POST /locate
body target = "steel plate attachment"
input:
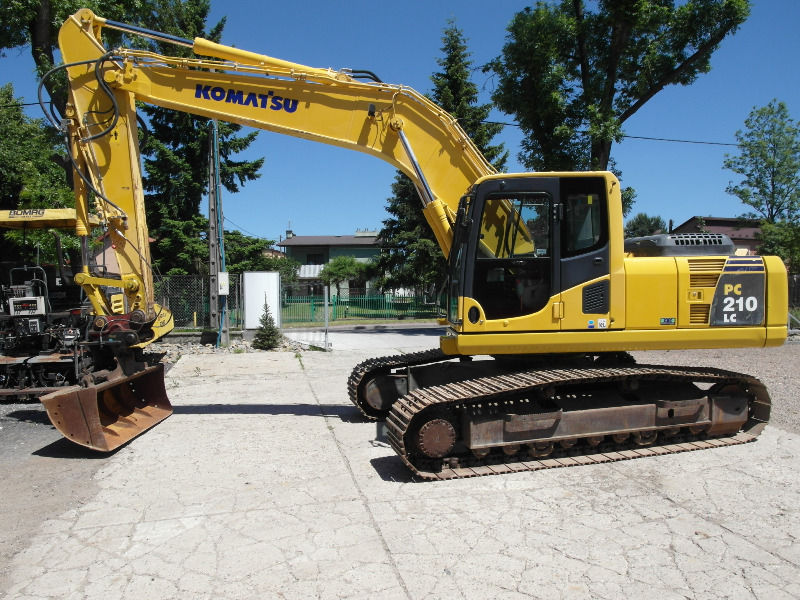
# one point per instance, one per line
(107, 415)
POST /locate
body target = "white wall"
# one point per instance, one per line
(256, 287)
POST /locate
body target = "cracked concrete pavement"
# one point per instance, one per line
(266, 484)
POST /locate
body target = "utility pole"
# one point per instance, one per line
(218, 284)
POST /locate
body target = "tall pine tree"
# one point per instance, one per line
(410, 256)
(176, 157)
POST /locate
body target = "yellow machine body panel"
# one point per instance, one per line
(670, 303)
(619, 301)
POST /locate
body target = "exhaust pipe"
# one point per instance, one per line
(106, 415)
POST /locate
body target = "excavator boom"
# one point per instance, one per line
(229, 84)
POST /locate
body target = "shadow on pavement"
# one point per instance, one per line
(63, 448)
(348, 414)
(29, 416)
(410, 331)
(391, 468)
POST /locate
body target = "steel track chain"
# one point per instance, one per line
(364, 371)
(407, 408)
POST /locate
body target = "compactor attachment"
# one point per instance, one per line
(106, 415)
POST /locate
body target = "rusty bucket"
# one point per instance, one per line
(106, 415)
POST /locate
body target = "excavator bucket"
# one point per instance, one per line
(106, 415)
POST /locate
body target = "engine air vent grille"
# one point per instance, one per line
(698, 314)
(595, 298)
(705, 265)
(707, 280)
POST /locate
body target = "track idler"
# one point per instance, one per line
(103, 416)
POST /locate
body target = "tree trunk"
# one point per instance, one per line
(42, 51)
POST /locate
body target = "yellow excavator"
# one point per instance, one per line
(544, 296)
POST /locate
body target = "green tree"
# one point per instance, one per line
(176, 154)
(267, 336)
(410, 255)
(643, 224)
(247, 253)
(768, 162)
(35, 24)
(342, 268)
(572, 77)
(30, 177)
(782, 239)
(185, 242)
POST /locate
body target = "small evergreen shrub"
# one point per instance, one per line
(268, 336)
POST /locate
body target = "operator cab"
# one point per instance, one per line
(521, 240)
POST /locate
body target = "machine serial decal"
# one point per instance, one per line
(739, 296)
(232, 96)
(667, 321)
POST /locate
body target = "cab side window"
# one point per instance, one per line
(584, 224)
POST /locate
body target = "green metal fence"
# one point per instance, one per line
(187, 297)
(311, 309)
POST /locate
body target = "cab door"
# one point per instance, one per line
(584, 253)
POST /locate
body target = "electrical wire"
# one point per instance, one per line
(243, 230)
(658, 139)
(355, 74)
(631, 137)
(18, 104)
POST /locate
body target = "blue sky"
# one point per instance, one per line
(320, 190)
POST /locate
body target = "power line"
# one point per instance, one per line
(635, 137)
(16, 104)
(243, 230)
(504, 124)
(656, 139)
